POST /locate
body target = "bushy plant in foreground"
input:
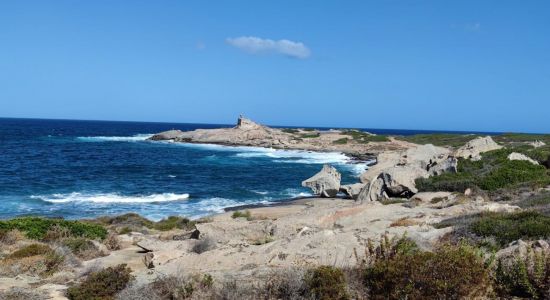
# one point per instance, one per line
(37, 228)
(508, 227)
(103, 284)
(326, 282)
(526, 277)
(450, 272)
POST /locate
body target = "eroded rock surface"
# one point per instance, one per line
(326, 183)
(474, 148)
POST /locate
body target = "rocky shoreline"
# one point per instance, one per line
(425, 207)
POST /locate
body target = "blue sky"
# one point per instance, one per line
(442, 65)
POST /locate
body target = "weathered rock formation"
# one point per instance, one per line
(352, 190)
(395, 173)
(326, 183)
(519, 156)
(473, 149)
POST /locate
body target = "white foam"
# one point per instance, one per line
(172, 176)
(135, 138)
(110, 198)
(298, 156)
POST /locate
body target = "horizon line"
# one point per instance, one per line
(452, 131)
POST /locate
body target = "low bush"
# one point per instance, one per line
(30, 250)
(525, 277)
(326, 282)
(173, 222)
(239, 214)
(204, 245)
(310, 135)
(104, 284)
(290, 130)
(450, 272)
(37, 228)
(393, 201)
(508, 227)
(341, 141)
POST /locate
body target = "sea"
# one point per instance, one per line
(84, 169)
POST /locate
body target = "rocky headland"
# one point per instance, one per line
(468, 218)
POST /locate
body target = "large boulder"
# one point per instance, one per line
(519, 156)
(449, 165)
(326, 183)
(398, 181)
(352, 190)
(474, 148)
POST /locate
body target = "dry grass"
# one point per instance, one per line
(404, 222)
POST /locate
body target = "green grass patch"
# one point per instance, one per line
(508, 227)
(30, 250)
(341, 141)
(439, 139)
(240, 214)
(310, 135)
(36, 227)
(363, 137)
(174, 222)
(290, 130)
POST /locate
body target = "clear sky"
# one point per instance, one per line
(442, 65)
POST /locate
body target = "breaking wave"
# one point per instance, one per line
(135, 138)
(110, 198)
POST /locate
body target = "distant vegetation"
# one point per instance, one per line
(132, 221)
(363, 137)
(494, 171)
(509, 227)
(341, 141)
(439, 139)
(38, 228)
(310, 135)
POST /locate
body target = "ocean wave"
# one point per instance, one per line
(218, 204)
(110, 198)
(298, 156)
(134, 138)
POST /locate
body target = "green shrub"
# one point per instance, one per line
(508, 227)
(129, 220)
(341, 141)
(326, 282)
(103, 284)
(440, 139)
(30, 250)
(511, 173)
(493, 172)
(173, 222)
(79, 245)
(526, 277)
(451, 272)
(364, 137)
(36, 227)
(310, 135)
(125, 230)
(239, 214)
(290, 130)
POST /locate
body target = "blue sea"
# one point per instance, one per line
(83, 169)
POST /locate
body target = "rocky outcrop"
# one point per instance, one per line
(449, 165)
(326, 183)
(397, 181)
(474, 148)
(167, 135)
(537, 144)
(519, 156)
(395, 173)
(352, 190)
